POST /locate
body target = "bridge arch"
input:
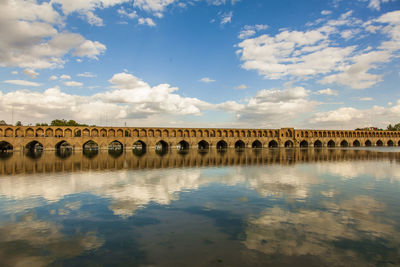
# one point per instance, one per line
(34, 145)
(9, 132)
(139, 145)
(356, 143)
(90, 145)
(115, 145)
(368, 143)
(379, 143)
(240, 144)
(398, 143)
(222, 145)
(390, 143)
(256, 144)
(63, 145)
(331, 143)
(29, 132)
(183, 145)
(6, 146)
(162, 146)
(344, 143)
(318, 143)
(304, 143)
(288, 143)
(272, 144)
(203, 145)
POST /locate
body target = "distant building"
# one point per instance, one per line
(2, 122)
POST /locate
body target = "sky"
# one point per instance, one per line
(201, 63)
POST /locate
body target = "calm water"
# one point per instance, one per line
(250, 208)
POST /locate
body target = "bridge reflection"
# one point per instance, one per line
(38, 162)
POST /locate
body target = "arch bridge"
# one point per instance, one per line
(78, 138)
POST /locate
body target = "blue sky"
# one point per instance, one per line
(212, 63)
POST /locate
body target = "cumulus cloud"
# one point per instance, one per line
(86, 75)
(65, 77)
(22, 82)
(30, 73)
(250, 30)
(207, 80)
(73, 84)
(326, 12)
(327, 91)
(376, 4)
(226, 17)
(350, 118)
(241, 87)
(33, 41)
(314, 53)
(146, 21)
(267, 106)
(129, 98)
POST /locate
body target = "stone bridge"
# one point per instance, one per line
(21, 138)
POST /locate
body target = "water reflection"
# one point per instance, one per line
(241, 207)
(67, 161)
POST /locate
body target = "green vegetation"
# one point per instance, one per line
(396, 127)
(65, 123)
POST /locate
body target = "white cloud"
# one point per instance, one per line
(53, 77)
(226, 17)
(326, 12)
(250, 30)
(376, 4)
(366, 99)
(315, 53)
(33, 41)
(241, 87)
(73, 84)
(265, 109)
(206, 80)
(155, 6)
(356, 75)
(327, 91)
(65, 77)
(30, 73)
(14, 72)
(351, 118)
(146, 21)
(86, 75)
(22, 82)
(132, 14)
(86, 8)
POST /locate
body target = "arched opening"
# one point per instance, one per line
(272, 143)
(139, 146)
(288, 143)
(356, 143)
(115, 145)
(34, 146)
(344, 143)
(390, 143)
(256, 144)
(90, 146)
(331, 143)
(63, 145)
(183, 145)
(203, 145)
(240, 144)
(398, 143)
(161, 147)
(5, 146)
(222, 145)
(317, 143)
(368, 143)
(304, 143)
(379, 143)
